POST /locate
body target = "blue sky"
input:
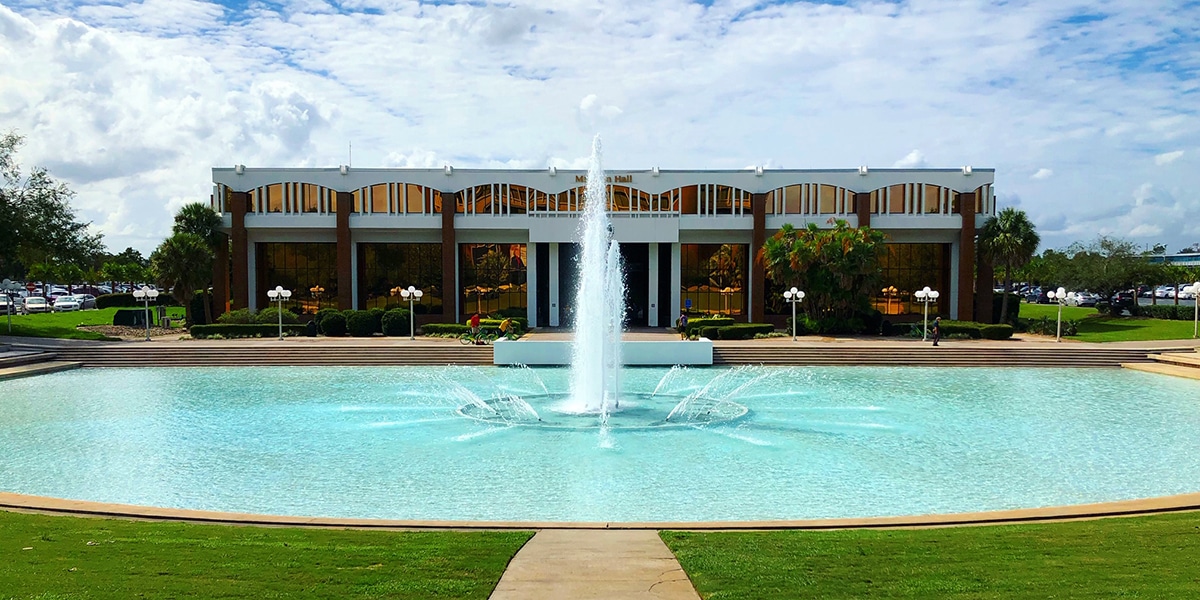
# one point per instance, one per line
(1087, 109)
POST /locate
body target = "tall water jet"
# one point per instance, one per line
(599, 303)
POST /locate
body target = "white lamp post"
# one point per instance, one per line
(1194, 290)
(278, 295)
(1060, 296)
(926, 296)
(793, 296)
(8, 287)
(144, 295)
(411, 294)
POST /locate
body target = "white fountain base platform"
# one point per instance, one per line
(558, 352)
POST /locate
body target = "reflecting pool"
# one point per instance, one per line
(487, 443)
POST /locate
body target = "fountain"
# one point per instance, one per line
(599, 302)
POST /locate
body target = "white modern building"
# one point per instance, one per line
(493, 240)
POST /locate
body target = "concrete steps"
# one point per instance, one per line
(16, 358)
(29, 370)
(183, 355)
(1176, 364)
(1075, 356)
(1183, 359)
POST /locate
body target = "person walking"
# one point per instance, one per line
(683, 323)
(937, 330)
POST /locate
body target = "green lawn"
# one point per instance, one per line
(46, 557)
(1144, 557)
(1094, 327)
(62, 325)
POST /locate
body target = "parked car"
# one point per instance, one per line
(14, 307)
(86, 301)
(66, 304)
(36, 304)
(1037, 297)
(1083, 299)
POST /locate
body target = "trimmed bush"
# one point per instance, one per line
(241, 330)
(377, 318)
(708, 331)
(131, 317)
(333, 325)
(512, 312)
(360, 323)
(128, 301)
(1168, 311)
(444, 329)
(996, 332)
(396, 322)
(694, 325)
(967, 328)
(744, 331)
(268, 316)
(241, 316)
(321, 314)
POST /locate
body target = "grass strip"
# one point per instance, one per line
(1094, 327)
(1137, 557)
(48, 557)
(63, 324)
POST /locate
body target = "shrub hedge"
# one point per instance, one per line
(360, 323)
(1170, 312)
(996, 332)
(268, 316)
(128, 301)
(444, 328)
(241, 330)
(241, 316)
(744, 331)
(694, 325)
(395, 322)
(377, 318)
(333, 325)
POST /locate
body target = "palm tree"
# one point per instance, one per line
(182, 263)
(1008, 241)
(198, 219)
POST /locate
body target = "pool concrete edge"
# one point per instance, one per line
(1122, 508)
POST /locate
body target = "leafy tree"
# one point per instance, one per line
(1009, 241)
(131, 256)
(837, 268)
(37, 223)
(200, 220)
(1105, 266)
(182, 263)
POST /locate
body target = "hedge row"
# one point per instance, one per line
(128, 301)
(695, 325)
(1169, 312)
(976, 330)
(241, 330)
(741, 331)
(485, 325)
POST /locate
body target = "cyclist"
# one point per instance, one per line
(505, 325)
(474, 322)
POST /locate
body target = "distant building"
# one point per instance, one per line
(493, 240)
(1189, 259)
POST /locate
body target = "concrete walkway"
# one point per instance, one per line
(579, 564)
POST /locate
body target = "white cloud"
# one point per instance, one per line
(913, 160)
(1167, 158)
(133, 102)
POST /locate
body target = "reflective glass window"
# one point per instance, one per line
(385, 267)
(493, 278)
(275, 197)
(896, 199)
(309, 270)
(933, 199)
(712, 277)
(828, 199)
(908, 268)
(518, 199)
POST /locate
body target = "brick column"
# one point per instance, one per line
(758, 272)
(221, 277)
(862, 207)
(239, 203)
(449, 260)
(983, 290)
(345, 275)
(966, 258)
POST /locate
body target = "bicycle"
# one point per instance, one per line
(483, 338)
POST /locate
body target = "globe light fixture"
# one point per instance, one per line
(793, 296)
(926, 296)
(278, 295)
(1060, 296)
(145, 295)
(411, 294)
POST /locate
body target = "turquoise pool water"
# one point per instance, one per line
(460, 442)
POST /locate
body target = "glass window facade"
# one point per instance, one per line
(493, 277)
(309, 270)
(384, 267)
(908, 268)
(713, 277)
